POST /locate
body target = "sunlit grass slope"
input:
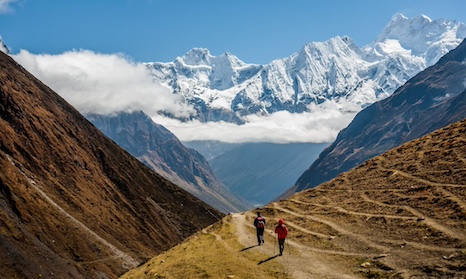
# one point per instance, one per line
(214, 252)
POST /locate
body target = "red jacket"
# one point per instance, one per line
(281, 229)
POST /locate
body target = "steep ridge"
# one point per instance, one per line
(432, 99)
(159, 149)
(3, 47)
(399, 215)
(72, 203)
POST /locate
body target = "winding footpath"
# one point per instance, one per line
(301, 261)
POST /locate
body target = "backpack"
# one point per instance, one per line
(260, 222)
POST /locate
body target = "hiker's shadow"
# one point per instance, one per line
(266, 260)
(247, 248)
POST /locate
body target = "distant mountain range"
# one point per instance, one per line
(432, 99)
(211, 148)
(223, 88)
(73, 204)
(259, 172)
(161, 150)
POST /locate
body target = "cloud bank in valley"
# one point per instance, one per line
(319, 126)
(110, 83)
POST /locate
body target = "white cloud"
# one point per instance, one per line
(321, 125)
(5, 6)
(101, 83)
(108, 83)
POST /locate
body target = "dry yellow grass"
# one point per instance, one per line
(399, 215)
(214, 252)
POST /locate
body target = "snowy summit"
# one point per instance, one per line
(223, 88)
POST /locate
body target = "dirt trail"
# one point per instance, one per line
(301, 261)
(400, 215)
(127, 260)
(336, 227)
(346, 211)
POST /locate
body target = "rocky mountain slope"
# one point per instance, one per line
(432, 99)
(161, 150)
(73, 204)
(223, 88)
(399, 215)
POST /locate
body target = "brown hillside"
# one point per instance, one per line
(72, 203)
(399, 215)
(403, 211)
(162, 151)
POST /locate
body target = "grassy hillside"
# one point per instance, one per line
(215, 252)
(399, 215)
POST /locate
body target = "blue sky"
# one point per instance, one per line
(256, 31)
(91, 52)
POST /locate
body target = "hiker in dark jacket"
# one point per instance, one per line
(282, 231)
(259, 223)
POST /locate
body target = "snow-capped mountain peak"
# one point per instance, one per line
(225, 88)
(202, 56)
(197, 56)
(424, 37)
(398, 17)
(337, 46)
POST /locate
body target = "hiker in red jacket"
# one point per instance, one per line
(259, 223)
(282, 231)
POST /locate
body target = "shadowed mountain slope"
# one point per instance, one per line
(399, 215)
(432, 99)
(161, 150)
(259, 172)
(73, 204)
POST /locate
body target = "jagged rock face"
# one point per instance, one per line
(72, 203)
(432, 99)
(223, 88)
(159, 149)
